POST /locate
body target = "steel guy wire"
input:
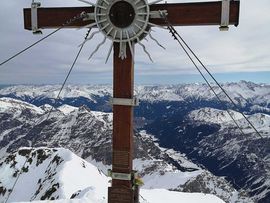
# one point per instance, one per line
(175, 34)
(209, 85)
(223, 90)
(58, 96)
(75, 18)
(69, 72)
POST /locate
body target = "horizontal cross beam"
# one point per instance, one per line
(179, 14)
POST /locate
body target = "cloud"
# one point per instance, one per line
(242, 49)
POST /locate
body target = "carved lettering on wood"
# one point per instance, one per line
(121, 159)
(121, 195)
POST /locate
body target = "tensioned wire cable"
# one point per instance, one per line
(47, 118)
(209, 85)
(75, 18)
(175, 34)
(69, 72)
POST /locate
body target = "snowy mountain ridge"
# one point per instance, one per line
(48, 174)
(241, 92)
(210, 115)
(58, 174)
(12, 105)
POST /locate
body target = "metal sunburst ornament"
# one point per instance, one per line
(123, 21)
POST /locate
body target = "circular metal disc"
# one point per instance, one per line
(122, 20)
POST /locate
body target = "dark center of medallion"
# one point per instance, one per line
(122, 14)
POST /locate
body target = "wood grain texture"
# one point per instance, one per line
(123, 87)
(120, 195)
(179, 14)
(195, 14)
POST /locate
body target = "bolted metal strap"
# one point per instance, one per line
(34, 17)
(125, 101)
(225, 15)
(119, 176)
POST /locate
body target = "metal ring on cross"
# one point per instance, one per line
(122, 20)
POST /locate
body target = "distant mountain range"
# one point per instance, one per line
(249, 96)
(178, 124)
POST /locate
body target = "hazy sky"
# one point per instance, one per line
(243, 53)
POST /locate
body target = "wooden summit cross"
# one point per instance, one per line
(126, 22)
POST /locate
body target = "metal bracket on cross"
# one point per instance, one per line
(225, 15)
(123, 176)
(34, 17)
(125, 101)
(119, 176)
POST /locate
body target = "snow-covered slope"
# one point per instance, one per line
(67, 109)
(13, 105)
(148, 196)
(58, 174)
(210, 115)
(88, 134)
(44, 173)
(242, 155)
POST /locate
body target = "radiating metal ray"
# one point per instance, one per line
(115, 33)
(105, 27)
(88, 26)
(155, 25)
(102, 7)
(121, 52)
(101, 14)
(142, 14)
(155, 40)
(140, 7)
(137, 2)
(121, 37)
(129, 44)
(102, 21)
(87, 2)
(137, 26)
(134, 32)
(109, 53)
(109, 31)
(144, 49)
(106, 2)
(154, 2)
(98, 46)
(140, 20)
(89, 38)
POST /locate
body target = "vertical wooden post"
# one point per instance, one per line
(123, 87)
